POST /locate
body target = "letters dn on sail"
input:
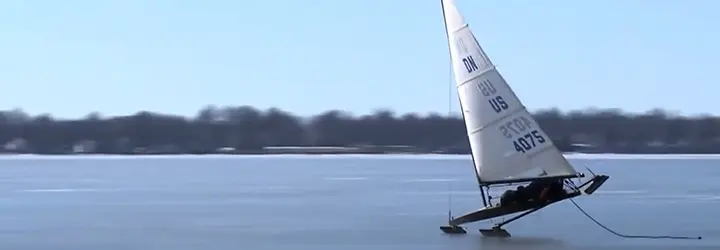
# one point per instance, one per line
(520, 130)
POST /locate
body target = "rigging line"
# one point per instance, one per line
(450, 217)
(449, 99)
(633, 236)
(450, 87)
(450, 66)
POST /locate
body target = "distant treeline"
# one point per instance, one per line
(249, 130)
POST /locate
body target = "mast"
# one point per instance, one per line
(447, 38)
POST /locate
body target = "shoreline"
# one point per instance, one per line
(571, 156)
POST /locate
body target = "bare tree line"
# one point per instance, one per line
(246, 129)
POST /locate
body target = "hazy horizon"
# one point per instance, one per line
(371, 112)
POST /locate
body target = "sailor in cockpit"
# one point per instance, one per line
(539, 190)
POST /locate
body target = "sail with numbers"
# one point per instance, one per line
(507, 143)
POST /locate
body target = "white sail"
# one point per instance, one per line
(506, 142)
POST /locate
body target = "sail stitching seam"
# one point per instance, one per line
(522, 108)
(476, 76)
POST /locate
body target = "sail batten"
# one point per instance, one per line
(506, 141)
(475, 77)
(477, 130)
(460, 28)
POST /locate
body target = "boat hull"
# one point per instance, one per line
(502, 210)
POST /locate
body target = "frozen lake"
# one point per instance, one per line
(333, 202)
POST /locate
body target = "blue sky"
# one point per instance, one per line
(69, 58)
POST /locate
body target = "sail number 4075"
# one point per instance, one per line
(528, 141)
